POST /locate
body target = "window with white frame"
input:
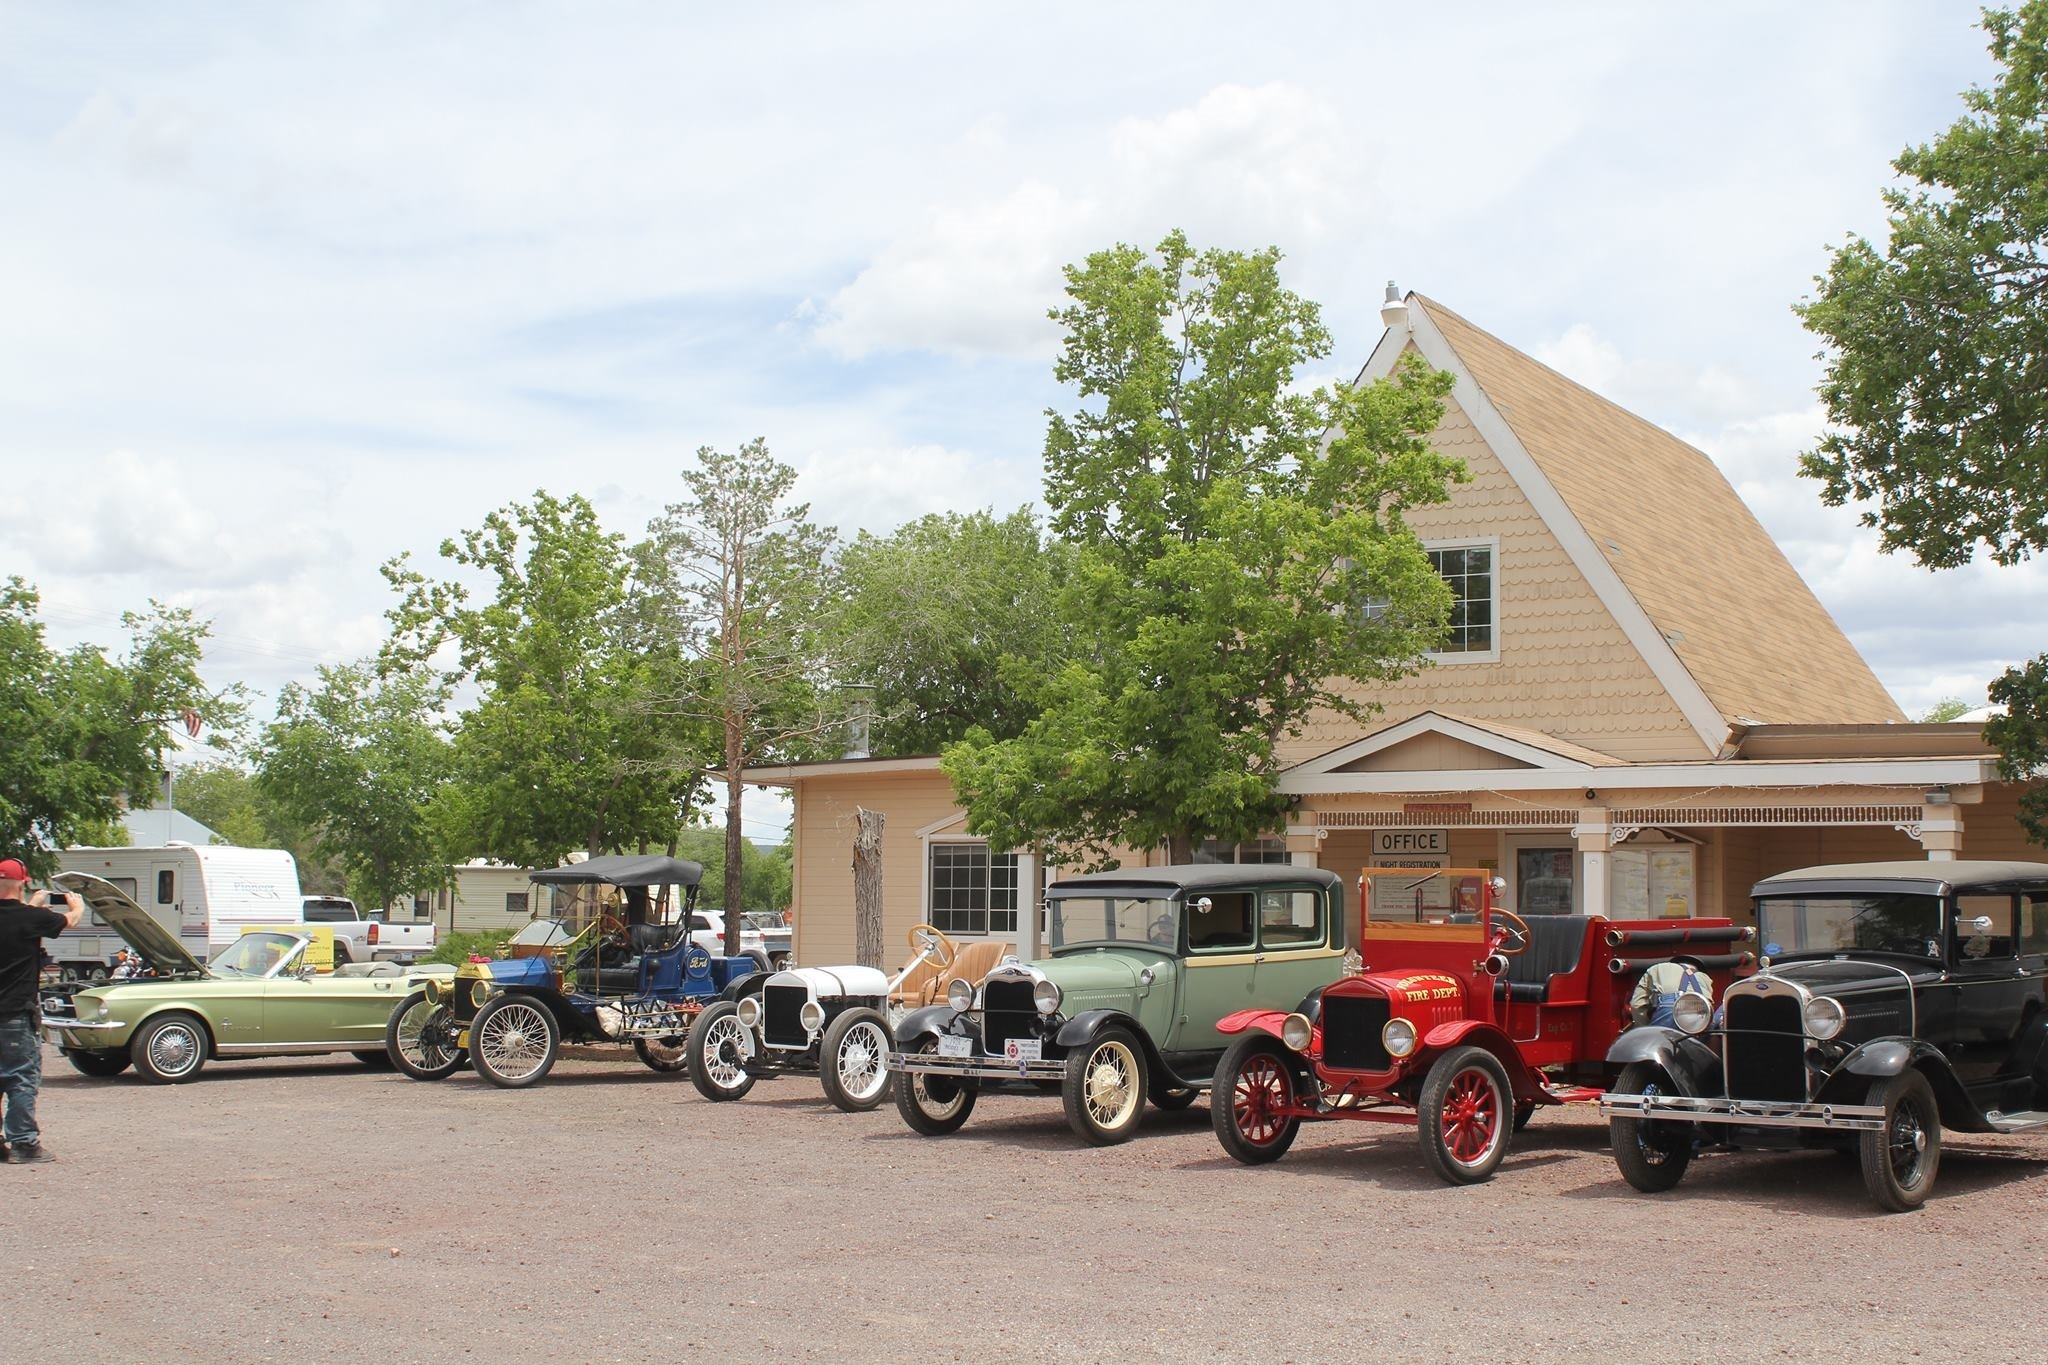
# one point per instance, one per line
(1250, 851)
(972, 890)
(1469, 569)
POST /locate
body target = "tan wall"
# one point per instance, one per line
(823, 868)
(1565, 667)
(1992, 829)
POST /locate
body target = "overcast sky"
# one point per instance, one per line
(288, 290)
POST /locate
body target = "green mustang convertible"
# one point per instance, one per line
(255, 998)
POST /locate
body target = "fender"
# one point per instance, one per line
(929, 1021)
(162, 1007)
(1083, 1029)
(1265, 1021)
(1885, 1057)
(1479, 1033)
(750, 984)
(1692, 1065)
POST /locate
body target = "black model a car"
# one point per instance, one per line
(1896, 999)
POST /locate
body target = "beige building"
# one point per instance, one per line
(1642, 711)
(485, 895)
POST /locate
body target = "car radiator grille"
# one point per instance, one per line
(1765, 1048)
(780, 1025)
(1351, 1032)
(1006, 1013)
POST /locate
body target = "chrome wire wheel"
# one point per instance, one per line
(514, 1041)
(858, 1060)
(725, 1053)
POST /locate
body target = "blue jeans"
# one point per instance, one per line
(21, 1076)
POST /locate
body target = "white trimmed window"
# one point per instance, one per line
(1250, 851)
(1471, 569)
(972, 891)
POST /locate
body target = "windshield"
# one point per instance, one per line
(542, 933)
(1885, 923)
(256, 955)
(1072, 921)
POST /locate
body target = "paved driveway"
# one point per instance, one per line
(316, 1210)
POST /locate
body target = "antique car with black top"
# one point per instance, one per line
(1140, 966)
(836, 1023)
(1456, 1016)
(1897, 999)
(615, 963)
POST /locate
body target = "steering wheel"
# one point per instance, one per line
(610, 928)
(929, 942)
(1161, 931)
(1523, 938)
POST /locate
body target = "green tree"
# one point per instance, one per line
(764, 874)
(1945, 710)
(1240, 557)
(1937, 356)
(223, 797)
(929, 612)
(81, 734)
(748, 583)
(359, 761)
(564, 748)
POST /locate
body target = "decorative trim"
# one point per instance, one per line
(1436, 723)
(1624, 822)
(1734, 775)
(1909, 828)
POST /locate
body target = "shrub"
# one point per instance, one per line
(457, 948)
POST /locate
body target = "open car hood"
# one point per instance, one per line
(158, 946)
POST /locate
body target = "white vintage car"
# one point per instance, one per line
(836, 1021)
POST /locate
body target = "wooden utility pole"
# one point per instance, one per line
(867, 888)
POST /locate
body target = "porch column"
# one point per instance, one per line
(1591, 834)
(1941, 832)
(1304, 845)
(1030, 893)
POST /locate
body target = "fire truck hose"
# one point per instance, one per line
(1659, 938)
(1713, 962)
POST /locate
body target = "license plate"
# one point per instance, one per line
(950, 1046)
(1022, 1050)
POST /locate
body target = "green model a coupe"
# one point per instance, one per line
(255, 998)
(1140, 965)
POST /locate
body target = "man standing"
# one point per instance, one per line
(24, 924)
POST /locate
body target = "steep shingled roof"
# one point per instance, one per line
(1684, 544)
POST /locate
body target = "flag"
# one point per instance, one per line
(191, 719)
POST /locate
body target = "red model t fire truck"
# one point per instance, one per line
(1460, 1017)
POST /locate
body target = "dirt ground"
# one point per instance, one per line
(316, 1210)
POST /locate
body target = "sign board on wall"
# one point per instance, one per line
(1411, 848)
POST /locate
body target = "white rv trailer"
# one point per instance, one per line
(203, 893)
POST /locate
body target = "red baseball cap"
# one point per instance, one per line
(11, 870)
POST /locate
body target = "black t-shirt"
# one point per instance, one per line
(23, 928)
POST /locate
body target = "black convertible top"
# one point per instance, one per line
(1915, 876)
(624, 869)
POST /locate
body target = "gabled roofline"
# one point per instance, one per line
(1699, 711)
(1762, 774)
(1435, 722)
(786, 774)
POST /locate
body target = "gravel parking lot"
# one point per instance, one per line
(317, 1210)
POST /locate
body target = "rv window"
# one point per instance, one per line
(165, 886)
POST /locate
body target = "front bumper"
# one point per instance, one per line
(995, 1068)
(93, 1031)
(1839, 1118)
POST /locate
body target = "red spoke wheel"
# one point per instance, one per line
(1467, 1111)
(1255, 1087)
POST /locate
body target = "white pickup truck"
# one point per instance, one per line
(361, 939)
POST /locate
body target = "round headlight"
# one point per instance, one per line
(748, 1011)
(1824, 1016)
(105, 1009)
(1046, 996)
(959, 995)
(811, 1015)
(1690, 1012)
(1294, 1031)
(1399, 1037)
(479, 993)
